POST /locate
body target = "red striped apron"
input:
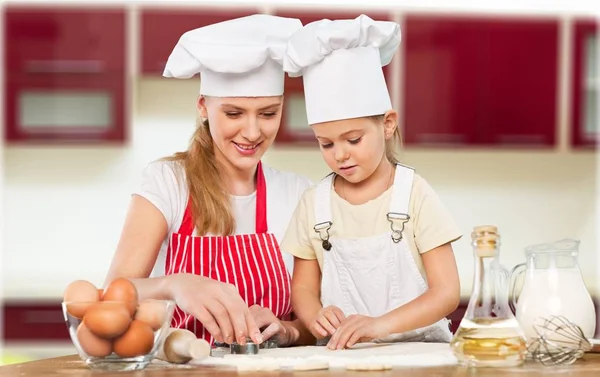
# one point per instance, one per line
(251, 262)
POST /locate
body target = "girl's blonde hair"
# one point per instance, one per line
(393, 146)
(209, 199)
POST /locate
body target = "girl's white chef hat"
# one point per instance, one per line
(341, 63)
(241, 57)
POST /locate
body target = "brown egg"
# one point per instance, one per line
(80, 293)
(122, 289)
(138, 340)
(91, 344)
(151, 312)
(107, 319)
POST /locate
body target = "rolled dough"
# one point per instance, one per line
(364, 356)
(368, 366)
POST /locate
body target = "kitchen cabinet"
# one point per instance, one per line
(34, 321)
(585, 85)
(485, 81)
(294, 124)
(161, 28)
(65, 74)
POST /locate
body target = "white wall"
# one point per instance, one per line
(64, 207)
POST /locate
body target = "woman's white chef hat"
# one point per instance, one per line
(241, 57)
(341, 63)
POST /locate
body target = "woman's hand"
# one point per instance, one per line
(218, 306)
(280, 331)
(356, 329)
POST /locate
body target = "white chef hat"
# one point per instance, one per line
(240, 57)
(341, 63)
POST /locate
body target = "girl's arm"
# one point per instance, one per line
(442, 298)
(306, 291)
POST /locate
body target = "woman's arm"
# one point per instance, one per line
(143, 232)
(217, 305)
(287, 333)
(301, 334)
(298, 333)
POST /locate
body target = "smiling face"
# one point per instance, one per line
(355, 148)
(242, 128)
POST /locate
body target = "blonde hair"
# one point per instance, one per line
(393, 146)
(209, 199)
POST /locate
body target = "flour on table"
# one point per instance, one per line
(364, 356)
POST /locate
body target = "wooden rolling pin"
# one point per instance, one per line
(181, 346)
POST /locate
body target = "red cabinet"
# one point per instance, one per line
(480, 81)
(160, 30)
(65, 71)
(585, 85)
(34, 321)
(294, 124)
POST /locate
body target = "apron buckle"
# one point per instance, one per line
(324, 227)
(403, 218)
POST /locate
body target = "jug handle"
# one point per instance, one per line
(514, 274)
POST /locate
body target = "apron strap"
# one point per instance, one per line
(399, 202)
(403, 182)
(323, 209)
(261, 200)
(187, 225)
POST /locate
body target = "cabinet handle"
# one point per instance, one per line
(64, 66)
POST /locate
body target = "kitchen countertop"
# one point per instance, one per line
(588, 366)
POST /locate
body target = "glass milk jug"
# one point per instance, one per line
(553, 285)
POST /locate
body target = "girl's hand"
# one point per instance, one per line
(326, 322)
(218, 306)
(356, 329)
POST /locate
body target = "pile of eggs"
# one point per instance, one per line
(113, 319)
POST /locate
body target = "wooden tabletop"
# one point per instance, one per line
(588, 366)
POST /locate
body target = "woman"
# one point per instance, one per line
(205, 225)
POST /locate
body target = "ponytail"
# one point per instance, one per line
(209, 200)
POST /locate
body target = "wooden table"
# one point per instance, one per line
(588, 366)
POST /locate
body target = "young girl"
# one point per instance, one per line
(372, 242)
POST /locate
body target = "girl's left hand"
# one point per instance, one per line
(271, 326)
(357, 329)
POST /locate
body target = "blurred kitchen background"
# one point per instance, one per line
(499, 112)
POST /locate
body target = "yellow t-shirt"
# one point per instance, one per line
(430, 224)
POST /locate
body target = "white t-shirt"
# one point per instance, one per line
(165, 186)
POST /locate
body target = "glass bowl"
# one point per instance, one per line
(118, 335)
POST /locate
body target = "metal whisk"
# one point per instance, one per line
(559, 341)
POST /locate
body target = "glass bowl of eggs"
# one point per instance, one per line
(112, 329)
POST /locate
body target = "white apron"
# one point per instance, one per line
(374, 275)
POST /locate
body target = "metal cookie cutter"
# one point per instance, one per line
(269, 344)
(251, 348)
